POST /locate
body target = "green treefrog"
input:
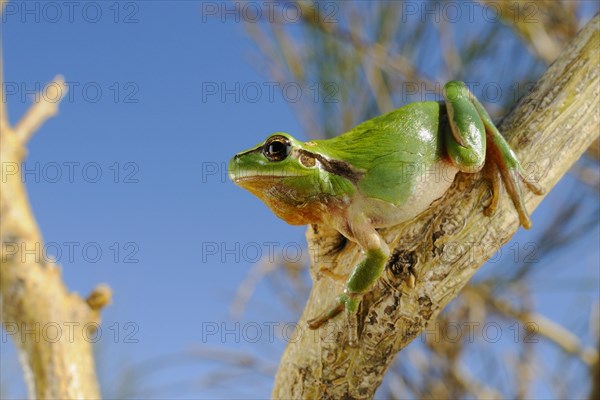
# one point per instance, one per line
(385, 171)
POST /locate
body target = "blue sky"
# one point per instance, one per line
(148, 111)
(137, 112)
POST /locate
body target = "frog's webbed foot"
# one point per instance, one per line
(345, 301)
(498, 154)
(512, 174)
(491, 171)
(532, 185)
(348, 302)
(317, 322)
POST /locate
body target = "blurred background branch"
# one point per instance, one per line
(32, 294)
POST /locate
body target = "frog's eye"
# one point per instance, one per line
(277, 148)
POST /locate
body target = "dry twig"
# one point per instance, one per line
(48, 324)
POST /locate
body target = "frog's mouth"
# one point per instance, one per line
(240, 177)
(250, 177)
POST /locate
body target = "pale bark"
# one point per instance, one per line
(444, 247)
(52, 328)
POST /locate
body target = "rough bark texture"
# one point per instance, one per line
(52, 328)
(550, 129)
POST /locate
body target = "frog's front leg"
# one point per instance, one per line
(364, 275)
(473, 140)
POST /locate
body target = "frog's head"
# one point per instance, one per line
(291, 177)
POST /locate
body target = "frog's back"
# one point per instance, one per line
(395, 152)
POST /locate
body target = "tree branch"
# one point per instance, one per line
(550, 128)
(542, 325)
(50, 326)
(41, 110)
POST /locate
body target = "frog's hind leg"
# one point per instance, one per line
(464, 135)
(511, 171)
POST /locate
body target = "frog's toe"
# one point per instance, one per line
(531, 184)
(493, 174)
(316, 323)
